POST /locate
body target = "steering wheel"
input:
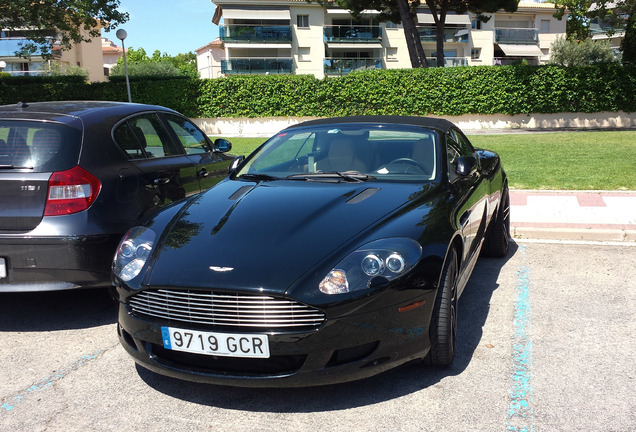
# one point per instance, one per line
(407, 161)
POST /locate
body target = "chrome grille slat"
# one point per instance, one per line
(225, 310)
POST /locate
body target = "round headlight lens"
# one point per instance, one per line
(396, 263)
(372, 265)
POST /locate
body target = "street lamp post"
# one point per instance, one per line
(121, 35)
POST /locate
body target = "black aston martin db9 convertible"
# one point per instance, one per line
(337, 250)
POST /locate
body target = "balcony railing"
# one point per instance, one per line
(353, 34)
(344, 66)
(257, 66)
(429, 34)
(448, 61)
(255, 34)
(519, 36)
(11, 47)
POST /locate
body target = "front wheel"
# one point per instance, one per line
(443, 326)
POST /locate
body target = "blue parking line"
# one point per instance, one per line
(14, 401)
(520, 409)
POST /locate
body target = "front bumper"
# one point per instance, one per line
(56, 263)
(342, 349)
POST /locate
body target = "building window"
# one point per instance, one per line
(391, 54)
(475, 24)
(545, 26)
(302, 21)
(475, 53)
(304, 54)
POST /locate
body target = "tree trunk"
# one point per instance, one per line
(416, 52)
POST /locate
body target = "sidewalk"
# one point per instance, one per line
(608, 216)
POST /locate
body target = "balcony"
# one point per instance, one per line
(448, 61)
(344, 66)
(255, 34)
(257, 66)
(353, 34)
(457, 35)
(519, 36)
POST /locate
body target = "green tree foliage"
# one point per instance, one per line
(74, 20)
(404, 11)
(140, 64)
(566, 52)
(628, 45)
(578, 17)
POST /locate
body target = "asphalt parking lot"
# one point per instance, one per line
(547, 338)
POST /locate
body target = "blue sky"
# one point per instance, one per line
(175, 26)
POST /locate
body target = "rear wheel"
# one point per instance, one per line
(498, 233)
(443, 327)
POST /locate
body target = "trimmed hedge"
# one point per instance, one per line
(440, 91)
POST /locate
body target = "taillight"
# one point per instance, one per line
(71, 191)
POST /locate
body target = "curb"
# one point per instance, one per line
(574, 234)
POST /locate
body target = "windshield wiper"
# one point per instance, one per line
(349, 176)
(262, 177)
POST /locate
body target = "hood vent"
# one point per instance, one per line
(240, 192)
(363, 195)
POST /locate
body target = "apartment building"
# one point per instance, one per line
(297, 37)
(87, 55)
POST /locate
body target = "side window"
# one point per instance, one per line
(128, 142)
(452, 149)
(465, 148)
(144, 137)
(192, 139)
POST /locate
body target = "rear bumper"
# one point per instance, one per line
(56, 263)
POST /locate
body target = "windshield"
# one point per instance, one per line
(352, 152)
(36, 145)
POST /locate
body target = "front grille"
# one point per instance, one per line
(226, 310)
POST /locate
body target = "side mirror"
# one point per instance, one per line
(221, 145)
(465, 166)
(488, 161)
(236, 163)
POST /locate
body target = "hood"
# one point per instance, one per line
(264, 236)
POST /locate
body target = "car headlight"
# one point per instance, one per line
(378, 261)
(133, 252)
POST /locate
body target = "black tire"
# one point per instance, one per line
(443, 327)
(497, 237)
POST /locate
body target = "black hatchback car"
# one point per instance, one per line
(75, 176)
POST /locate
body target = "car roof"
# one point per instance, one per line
(66, 111)
(427, 122)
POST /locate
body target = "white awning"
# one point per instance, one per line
(427, 18)
(259, 14)
(521, 50)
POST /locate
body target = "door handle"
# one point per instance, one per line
(203, 173)
(161, 181)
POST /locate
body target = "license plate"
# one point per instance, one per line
(218, 344)
(3, 268)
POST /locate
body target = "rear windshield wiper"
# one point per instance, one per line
(263, 177)
(8, 167)
(349, 176)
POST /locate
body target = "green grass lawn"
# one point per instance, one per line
(561, 160)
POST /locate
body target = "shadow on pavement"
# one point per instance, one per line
(474, 307)
(56, 310)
